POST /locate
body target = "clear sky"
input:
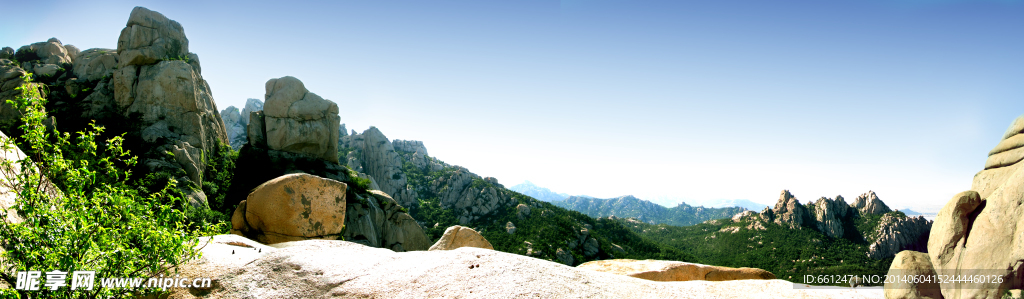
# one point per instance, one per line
(666, 100)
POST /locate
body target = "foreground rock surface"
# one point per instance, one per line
(458, 236)
(292, 207)
(320, 268)
(674, 271)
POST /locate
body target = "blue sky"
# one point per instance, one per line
(665, 100)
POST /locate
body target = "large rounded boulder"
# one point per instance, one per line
(292, 207)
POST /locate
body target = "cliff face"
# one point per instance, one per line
(895, 234)
(829, 215)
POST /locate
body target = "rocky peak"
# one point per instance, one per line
(380, 161)
(235, 126)
(411, 146)
(788, 210)
(868, 203)
(150, 37)
(829, 215)
(251, 105)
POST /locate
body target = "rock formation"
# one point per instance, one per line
(911, 264)
(379, 221)
(95, 64)
(896, 233)
(236, 127)
(742, 215)
(978, 231)
(464, 192)
(789, 211)
(251, 105)
(522, 211)
(300, 121)
(869, 204)
(320, 268)
(160, 80)
(674, 271)
(459, 236)
(291, 208)
(382, 163)
(565, 257)
(151, 88)
(10, 79)
(372, 218)
(829, 215)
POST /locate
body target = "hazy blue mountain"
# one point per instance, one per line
(631, 207)
(910, 212)
(529, 189)
(743, 203)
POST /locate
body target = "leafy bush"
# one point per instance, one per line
(89, 218)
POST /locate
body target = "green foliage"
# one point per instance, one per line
(548, 228)
(220, 169)
(92, 219)
(182, 58)
(361, 184)
(788, 253)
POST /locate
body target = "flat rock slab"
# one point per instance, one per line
(321, 268)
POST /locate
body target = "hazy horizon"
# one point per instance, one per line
(691, 100)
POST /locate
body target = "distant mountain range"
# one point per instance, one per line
(529, 189)
(725, 203)
(631, 207)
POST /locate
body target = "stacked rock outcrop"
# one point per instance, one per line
(160, 80)
(150, 87)
(980, 229)
(372, 217)
(300, 121)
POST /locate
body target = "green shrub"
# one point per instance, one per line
(93, 220)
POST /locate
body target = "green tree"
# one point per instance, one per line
(78, 212)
